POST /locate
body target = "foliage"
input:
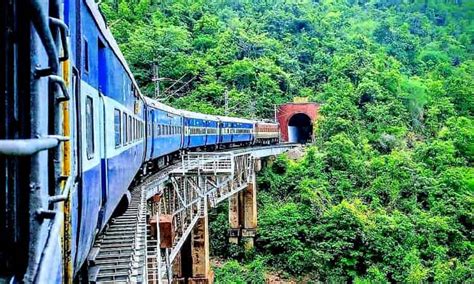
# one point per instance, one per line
(387, 191)
(236, 273)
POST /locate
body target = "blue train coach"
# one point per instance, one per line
(235, 131)
(200, 130)
(164, 132)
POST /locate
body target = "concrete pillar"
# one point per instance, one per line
(250, 214)
(234, 218)
(202, 272)
(258, 165)
(177, 269)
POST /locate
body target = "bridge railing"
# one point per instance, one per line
(206, 162)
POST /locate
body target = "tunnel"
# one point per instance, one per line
(300, 128)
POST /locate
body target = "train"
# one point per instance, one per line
(76, 133)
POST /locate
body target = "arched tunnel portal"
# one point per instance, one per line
(300, 128)
(296, 121)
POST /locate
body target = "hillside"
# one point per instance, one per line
(386, 193)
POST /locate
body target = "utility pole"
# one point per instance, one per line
(226, 102)
(275, 112)
(156, 79)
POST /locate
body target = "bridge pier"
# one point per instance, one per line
(250, 214)
(201, 267)
(234, 218)
(243, 213)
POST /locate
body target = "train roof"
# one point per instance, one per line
(267, 122)
(161, 106)
(234, 119)
(192, 114)
(107, 34)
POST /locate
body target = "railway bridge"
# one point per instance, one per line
(163, 236)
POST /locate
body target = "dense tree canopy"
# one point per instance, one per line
(387, 191)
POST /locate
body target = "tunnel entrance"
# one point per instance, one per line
(300, 128)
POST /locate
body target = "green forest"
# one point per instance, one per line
(386, 191)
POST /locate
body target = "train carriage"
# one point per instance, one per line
(233, 130)
(112, 112)
(164, 131)
(200, 130)
(266, 133)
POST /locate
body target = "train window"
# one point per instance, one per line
(86, 55)
(117, 127)
(89, 128)
(124, 128)
(130, 128)
(134, 129)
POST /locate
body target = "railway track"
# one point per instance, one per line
(119, 252)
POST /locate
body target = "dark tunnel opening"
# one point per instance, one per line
(300, 129)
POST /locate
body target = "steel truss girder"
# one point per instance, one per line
(202, 180)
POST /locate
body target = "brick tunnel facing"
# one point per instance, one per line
(300, 128)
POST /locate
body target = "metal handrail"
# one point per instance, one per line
(26, 147)
(41, 24)
(64, 34)
(60, 81)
